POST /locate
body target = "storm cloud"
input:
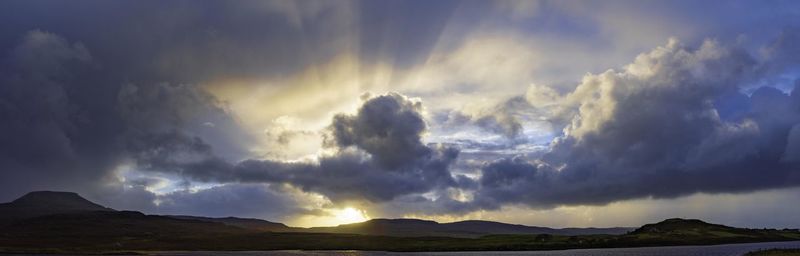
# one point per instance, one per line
(47, 130)
(68, 123)
(375, 155)
(380, 154)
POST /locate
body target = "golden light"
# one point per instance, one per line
(350, 215)
(332, 217)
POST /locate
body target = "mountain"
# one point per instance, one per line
(470, 228)
(43, 203)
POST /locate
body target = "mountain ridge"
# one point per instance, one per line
(466, 228)
(249, 223)
(42, 203)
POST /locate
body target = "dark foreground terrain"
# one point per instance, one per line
(37, 225)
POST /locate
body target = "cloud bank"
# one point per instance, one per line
(375, 155)
(654, 129)
(201, 105)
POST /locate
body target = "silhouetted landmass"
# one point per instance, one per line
(470, 228)
(43, 203)
(411, 228)
(84, 227)
(248, 223)
(505, 228)
(697, 232)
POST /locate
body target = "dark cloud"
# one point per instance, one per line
(505, 172)
(163, 108)
(203, 41)
(239, 200)
(792, 152)
(388, 127)
(48, 128)
(378, 155)
(69, 124)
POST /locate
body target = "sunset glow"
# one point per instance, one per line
(350, 215)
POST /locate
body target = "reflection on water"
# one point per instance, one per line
(712, 250)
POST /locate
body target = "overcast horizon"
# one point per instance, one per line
(318, 113)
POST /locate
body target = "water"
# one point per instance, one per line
(710, 250)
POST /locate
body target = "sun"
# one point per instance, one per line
(333, 217)
(350, 215)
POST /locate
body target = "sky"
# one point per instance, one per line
(318, 113)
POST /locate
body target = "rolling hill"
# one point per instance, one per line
(247, 223)
(470, 228)
(691, 231)
(43, 203)
(58, 222)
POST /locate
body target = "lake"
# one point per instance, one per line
(709, 250)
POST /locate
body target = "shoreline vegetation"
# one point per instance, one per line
(56, 222)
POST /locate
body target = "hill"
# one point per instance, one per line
(43, 203)
(247, 223)
(470, 228)
(680, 226)
(119, 228)
(691, 231)
(129, 231)
(491, 227)
(57, 222)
